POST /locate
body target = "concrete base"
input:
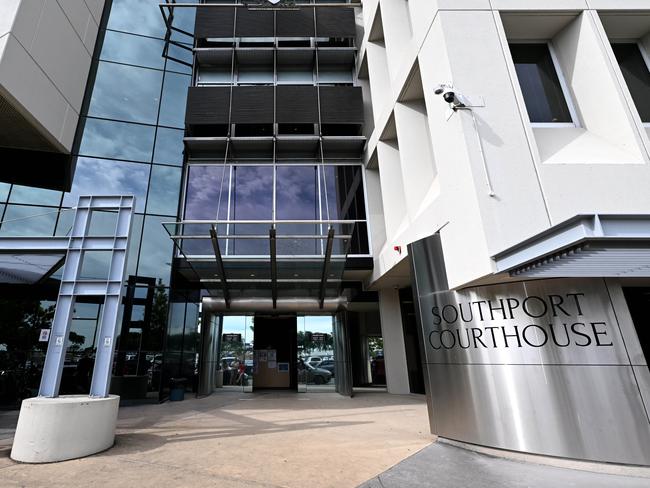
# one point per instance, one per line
(66, 427)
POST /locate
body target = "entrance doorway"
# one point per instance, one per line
(275, 353)
(261, 351)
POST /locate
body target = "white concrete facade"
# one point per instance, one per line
(490, 183)
(46, 47)
(397, 380)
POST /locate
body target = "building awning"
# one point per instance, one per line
(583, 246)
(30, 260)
(20, 268)
(264, 260)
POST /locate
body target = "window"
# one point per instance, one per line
(126, 93)
(174, 97)
(169, 146)
(118, 140)
(298, 191)
(22, 220)
(131, 49)
(636, 74)
(104, 177)
(163, 190)
(541, 85)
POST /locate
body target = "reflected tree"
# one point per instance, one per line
(158, 324)
(22, 321)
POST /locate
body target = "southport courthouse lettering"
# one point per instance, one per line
(532, 321)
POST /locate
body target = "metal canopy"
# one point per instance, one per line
(584, 246)
(20, 268)
(264, 260)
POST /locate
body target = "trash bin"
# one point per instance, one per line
(177, 389)
(218, 379)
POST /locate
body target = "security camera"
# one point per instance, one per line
(454, 99)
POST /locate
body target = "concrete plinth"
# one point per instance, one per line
(66, 427)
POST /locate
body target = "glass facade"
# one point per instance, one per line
(130, 142)
(266, 192)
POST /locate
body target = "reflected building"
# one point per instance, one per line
(407, 195)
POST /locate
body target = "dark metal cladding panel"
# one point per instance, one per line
(297, 105)
(341, 105)
(335, 22)
(293, 23)
(214, 22)
(254, 23)
(207, 105)
(252, 105)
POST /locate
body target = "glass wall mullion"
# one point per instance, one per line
(229, 207)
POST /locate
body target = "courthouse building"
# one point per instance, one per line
(438, 197)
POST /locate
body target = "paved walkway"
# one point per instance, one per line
(314, 440)
(244, 440)
(446, 466)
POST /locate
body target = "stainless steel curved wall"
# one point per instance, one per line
(551, 367)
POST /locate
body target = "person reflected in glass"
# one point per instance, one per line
(227, 372)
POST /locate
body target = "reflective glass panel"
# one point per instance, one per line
(163, 190)
(126, 93)
(252, 193)
(169, 146)
(4, 191)
(234, 351)
(636, 74)
(134, 244)
(119, 140)
(180, 54)
(22, 220)
(172, 109)
(34, 196)
(104, 177)
(183, 20)
(156, 250)
(137, 16)
(131, 49)
(342, 193)
(296, 188)
(318, 353)
(102, 223)
(539, 83)
(64, 224)
(207, 192)
(252, 199)
(296, 199)
(342, 198)
(95, 265)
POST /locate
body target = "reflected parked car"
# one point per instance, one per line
(314, 361)
(328, 364)
(308, 374)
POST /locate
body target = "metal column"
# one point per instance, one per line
(72, 286)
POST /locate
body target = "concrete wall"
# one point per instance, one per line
(430, 164)
(397, 380)
(45, 53)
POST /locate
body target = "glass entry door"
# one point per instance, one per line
(316, 359)
(236, 355)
